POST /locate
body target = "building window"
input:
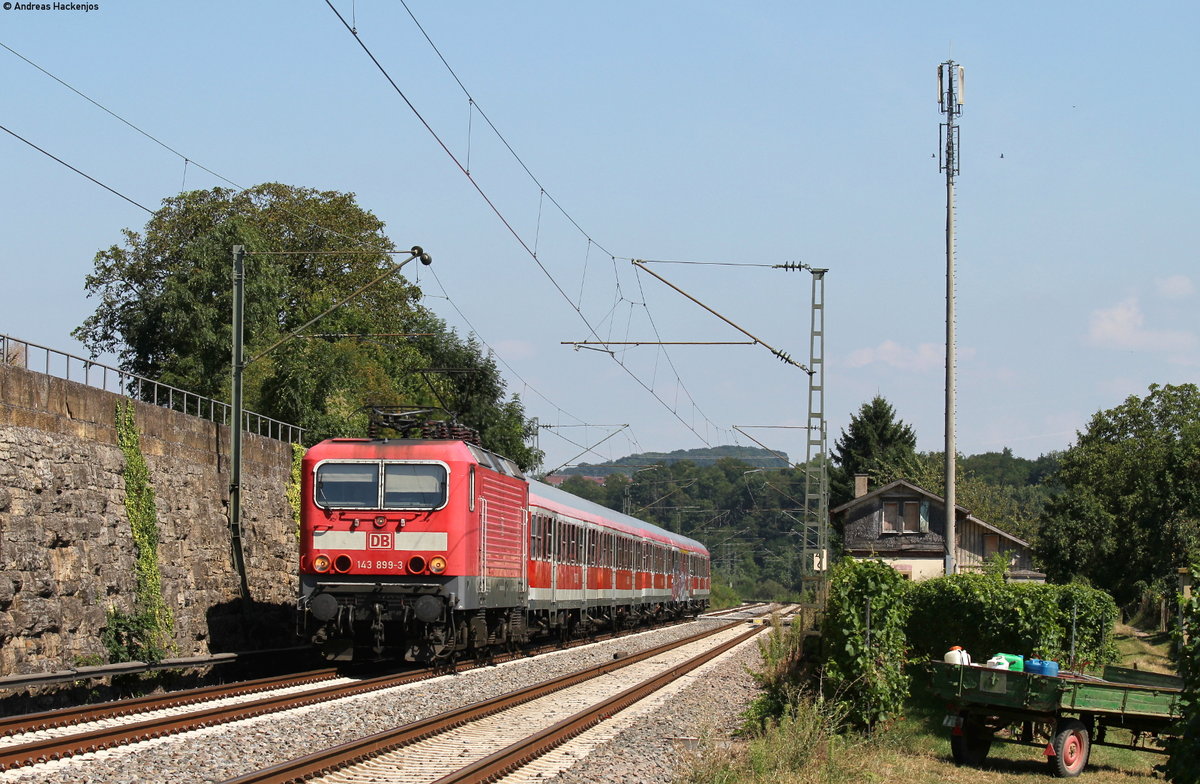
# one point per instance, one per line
(905, 516)
(991, 545)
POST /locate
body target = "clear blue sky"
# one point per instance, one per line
(760, 133)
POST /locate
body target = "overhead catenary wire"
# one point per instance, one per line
(495, 208)
(495, 130)
(118, 117)
(780, 354)
(188, 161)
(543, 193)
(108, 188)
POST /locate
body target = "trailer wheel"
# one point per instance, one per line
(1072, 746)
(972, 746)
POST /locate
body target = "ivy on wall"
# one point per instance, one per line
(293, 488)
(146, 633)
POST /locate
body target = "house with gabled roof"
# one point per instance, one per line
(905, 525)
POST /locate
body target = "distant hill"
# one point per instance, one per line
(759, 458)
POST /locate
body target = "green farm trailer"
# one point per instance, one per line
(1068, 713)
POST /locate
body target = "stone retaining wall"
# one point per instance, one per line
(66, 549)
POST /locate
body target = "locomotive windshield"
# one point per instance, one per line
(358, 486)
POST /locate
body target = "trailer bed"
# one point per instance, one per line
(1068, 712)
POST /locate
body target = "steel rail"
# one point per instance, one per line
(35, 752)
(521, 753)
(97, 671)
(317, 763)
(79, 714)
(57, 748)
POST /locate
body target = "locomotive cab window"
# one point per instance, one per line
(353, 485)
(414, 486)
(347, 485)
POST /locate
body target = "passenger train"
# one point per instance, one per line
(428, 549)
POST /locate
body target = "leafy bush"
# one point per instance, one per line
(721, 595)
(1183, 765)
(986, 615)
(864, 643)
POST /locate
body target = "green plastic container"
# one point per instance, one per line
(1016, 662)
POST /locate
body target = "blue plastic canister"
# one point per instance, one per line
(1041, 667)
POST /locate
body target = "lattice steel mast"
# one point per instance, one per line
(815, 551)
(814, 533)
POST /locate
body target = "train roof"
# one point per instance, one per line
(541, 494)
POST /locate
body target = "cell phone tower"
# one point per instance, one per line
(950, 100)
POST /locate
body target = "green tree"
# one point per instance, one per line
(165, 299)
(1129, 514)
(874, 438)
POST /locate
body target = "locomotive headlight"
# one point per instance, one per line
(380, 521)
(322, 563)
(437, 564)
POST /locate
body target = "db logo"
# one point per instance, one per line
(379, 541)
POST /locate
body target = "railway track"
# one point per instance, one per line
(483, 741)
(741, 608)
(83, 714)
(37, 738)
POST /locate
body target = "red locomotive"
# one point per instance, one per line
(429, 548)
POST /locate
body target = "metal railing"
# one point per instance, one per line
(59, 364)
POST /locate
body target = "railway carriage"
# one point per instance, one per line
(429, 548)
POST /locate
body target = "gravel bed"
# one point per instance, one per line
(659, 745)
(219, 753)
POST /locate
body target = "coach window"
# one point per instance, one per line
(347, 485)
(535, 537)
(414, 486)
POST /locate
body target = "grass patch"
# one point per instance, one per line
(802, 748)
(1143, 650)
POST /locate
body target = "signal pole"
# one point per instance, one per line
(950, 99)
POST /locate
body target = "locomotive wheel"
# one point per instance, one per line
(1072, 747)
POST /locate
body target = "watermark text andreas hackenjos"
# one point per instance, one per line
(52, 7)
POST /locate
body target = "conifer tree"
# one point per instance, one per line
(874, 438)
